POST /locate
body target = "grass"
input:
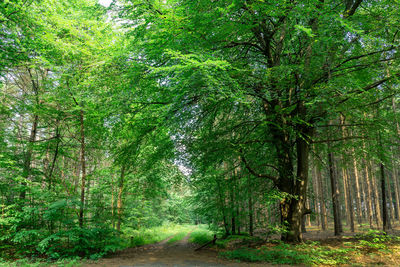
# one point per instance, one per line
(41, 263)
(156, 234)
(178, 237)
(201, 236)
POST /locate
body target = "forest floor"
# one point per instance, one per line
(364, 248)
(178, 254)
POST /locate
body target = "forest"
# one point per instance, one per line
(199, 133)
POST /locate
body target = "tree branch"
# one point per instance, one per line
(253, 172)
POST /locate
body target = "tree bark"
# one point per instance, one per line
(293, 208)
(324, 216)
(396, 188)
(335, 196)
(385, 217)
(83, 170)
(377, 203)
(349, 199)
(358, 195)
(391, 207)
(369, 194)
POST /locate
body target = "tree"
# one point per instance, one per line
(292, 66)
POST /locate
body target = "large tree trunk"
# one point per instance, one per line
(293, 206)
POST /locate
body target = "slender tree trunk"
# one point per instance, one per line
(385, 217)
(53, 163)
(120, 196)
(308, 217)
(250, 204)
(378, 211)
(396, 189)
(112, 202)
(369, 194)
(324, 216)
(357, 182)
(335, 196)
(83, 170)
(391, 207)
(316, 197)
(346, 184)
(251, 212)
(28, 156)
(349, 199)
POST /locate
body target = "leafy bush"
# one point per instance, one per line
(201, 236)
(92, 242)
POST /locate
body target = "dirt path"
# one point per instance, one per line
(179, 254)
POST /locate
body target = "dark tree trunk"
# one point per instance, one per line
(335, 197)
(251, 212)
(324, 217)
(385, 217)
(293, 208)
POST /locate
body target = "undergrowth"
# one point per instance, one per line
(366, 247)
(178, 237)
(308, 254)
(152, 235)
(201, 236)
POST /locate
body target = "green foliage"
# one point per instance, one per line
(201, 236)
(77, 262)
(153, 235)
(177, 237)
(309, 254)
(375, 240)
(234, 241)
(92, 242)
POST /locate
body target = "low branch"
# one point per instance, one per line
(253, 172)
